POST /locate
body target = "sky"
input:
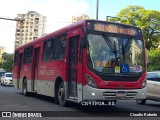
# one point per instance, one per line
(59, 13)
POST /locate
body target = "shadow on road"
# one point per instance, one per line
(79, 107)
(7, 86)
(153, 104)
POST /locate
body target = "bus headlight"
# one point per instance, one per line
(144, 84)
(91, 81)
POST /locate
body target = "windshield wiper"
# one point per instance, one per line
(111, 45)
(124, 47)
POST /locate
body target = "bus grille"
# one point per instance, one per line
(113, 95)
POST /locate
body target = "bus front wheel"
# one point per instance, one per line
(61, 94)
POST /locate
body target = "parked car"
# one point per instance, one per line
(153, 87)
(6, 79)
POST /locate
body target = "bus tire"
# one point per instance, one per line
(61, 95)
(24, 87)
(141, 101)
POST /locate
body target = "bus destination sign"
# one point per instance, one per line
(114, 29)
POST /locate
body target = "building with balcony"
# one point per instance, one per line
(34, 26)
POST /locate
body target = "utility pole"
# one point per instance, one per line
(97, 9)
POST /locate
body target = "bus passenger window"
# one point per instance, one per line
(47, 50)
(16, 58)
(59, 51)
(28, 55)
(30, 51)
(63, 43)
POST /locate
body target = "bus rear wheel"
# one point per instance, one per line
(24, 88)
(61, 95)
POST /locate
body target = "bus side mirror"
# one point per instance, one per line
(83, 42)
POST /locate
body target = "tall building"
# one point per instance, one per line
(82, 17)
(2, 50)
(34, 26)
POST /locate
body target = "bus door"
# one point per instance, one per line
(19, 69)
(74, 68)
(35, 68)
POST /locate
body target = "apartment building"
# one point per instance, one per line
(82, 17)
(34, 26)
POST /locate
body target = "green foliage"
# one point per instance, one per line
(4, 56)
(147, 20)
(8, 61)
(154, 59)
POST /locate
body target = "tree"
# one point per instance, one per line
(4, 56)
(0, 64)
(8, 61)
(154, 58)
(147, 20)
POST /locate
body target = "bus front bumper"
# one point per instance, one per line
(90, 93)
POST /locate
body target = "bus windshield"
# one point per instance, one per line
(113, 54)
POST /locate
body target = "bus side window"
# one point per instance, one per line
(30, 51)
(16, 58)
(60, 47)
(47, 50)
(28, 55)
(25, 54)
(63, 43)
(57, 49)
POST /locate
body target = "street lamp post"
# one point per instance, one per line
(97, 9)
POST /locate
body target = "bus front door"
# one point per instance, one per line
(73, 67)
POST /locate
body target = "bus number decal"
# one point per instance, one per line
(46, 72)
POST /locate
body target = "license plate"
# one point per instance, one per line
(98, 103)
(121, 94)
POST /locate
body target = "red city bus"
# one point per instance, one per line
(87, 62)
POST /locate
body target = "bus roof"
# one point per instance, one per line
(67, 28)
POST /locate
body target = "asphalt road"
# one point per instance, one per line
(11, 99)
